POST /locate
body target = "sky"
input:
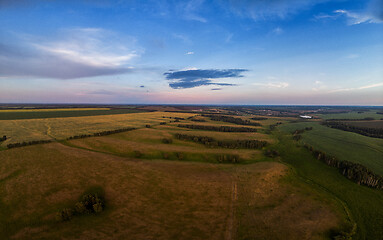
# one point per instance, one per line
(236, 52)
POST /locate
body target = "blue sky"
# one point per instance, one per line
(194, 52)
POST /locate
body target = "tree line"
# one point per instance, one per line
(353, 171)
(366, 131)
(229, 119)
(258, 118)
(218, 128)
(23, 144)
(103, 133)
(211, 142)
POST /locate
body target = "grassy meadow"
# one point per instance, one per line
(156, 189)
(344, 145)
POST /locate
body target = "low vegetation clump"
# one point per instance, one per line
(366, 131)
(197, 120)
(3, 138)
(297, 133)
(218, 128)
(353, 171)
(13, 145)
(228, 119)
(90, 203)
(228, 158)
(271, 153)
(167, 140)
(211, 142)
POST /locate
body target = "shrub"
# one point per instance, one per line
(147, 126)
(167, 140)
(165, 155)
(65, 214)
(180, 156)
(137, 154)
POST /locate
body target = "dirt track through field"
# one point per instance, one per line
(230, 226)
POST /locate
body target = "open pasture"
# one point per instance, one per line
(367, 124)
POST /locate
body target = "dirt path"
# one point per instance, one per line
(230, 226)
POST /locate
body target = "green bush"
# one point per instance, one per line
(65, 214)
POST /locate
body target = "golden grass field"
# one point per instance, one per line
(62, 128)
(149, 197)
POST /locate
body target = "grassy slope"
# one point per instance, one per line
(344, 145)
(365, 204)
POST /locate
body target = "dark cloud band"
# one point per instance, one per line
(201, 77)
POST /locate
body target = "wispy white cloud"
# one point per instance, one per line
(189, 53)
(74, 53)
(358, 88)
(273, 84)
(263, 10)
(358, 17)
(277, 31)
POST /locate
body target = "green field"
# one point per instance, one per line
(60, 113)
(353, 115)
(344, 145)
(365, 204)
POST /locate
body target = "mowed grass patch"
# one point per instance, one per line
(144, 199)
(344, 145)
(62, 128)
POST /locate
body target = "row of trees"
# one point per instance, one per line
(218, 128)
(258, 118)
(211, 142)
(103, 133)
(23, 144)
(366, 131)
(353, 171)
(229, 119)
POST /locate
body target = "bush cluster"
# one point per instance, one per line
(218, 128)
(89, 203)
(3, 138)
